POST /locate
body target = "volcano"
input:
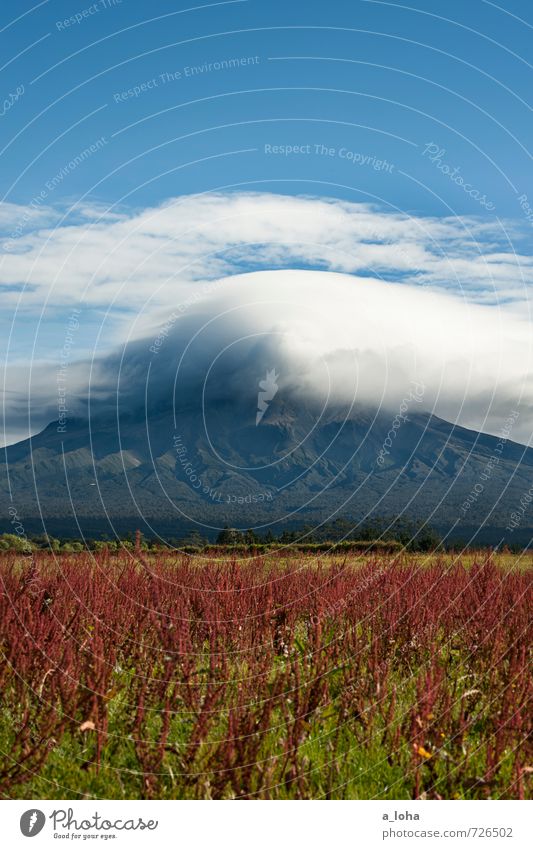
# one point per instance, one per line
(207, 463)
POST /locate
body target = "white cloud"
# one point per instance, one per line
(444, 302)
(336, 339)
(155, 254)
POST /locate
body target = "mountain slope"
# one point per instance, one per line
(170, 470)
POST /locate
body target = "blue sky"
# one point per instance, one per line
(383, 80)
(406, 128)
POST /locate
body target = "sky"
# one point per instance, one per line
(148, 152)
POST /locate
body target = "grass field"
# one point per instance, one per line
(284, 676)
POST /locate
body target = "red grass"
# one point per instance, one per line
(249, 663)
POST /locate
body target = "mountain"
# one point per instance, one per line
(209, 465)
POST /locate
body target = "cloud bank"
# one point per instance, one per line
(144, 259)
(334, 342)
(356, 303)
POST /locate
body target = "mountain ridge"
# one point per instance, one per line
(177, 468)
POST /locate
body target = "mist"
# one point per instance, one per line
(333, 340)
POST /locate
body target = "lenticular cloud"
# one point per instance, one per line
(330, 337)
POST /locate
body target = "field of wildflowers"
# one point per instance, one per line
(131, 675)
